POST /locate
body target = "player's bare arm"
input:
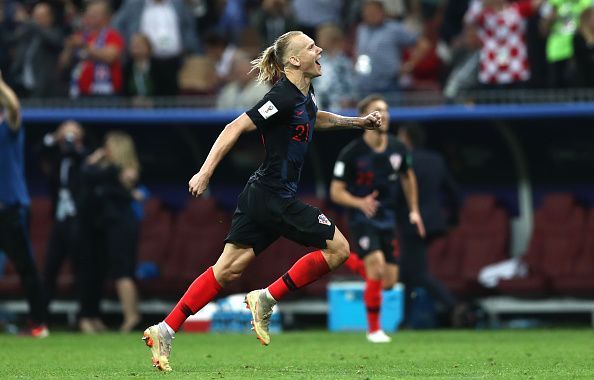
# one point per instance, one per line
(340, 195)
(409, 186)
(220, 148)
(330, 120)
(10, 102)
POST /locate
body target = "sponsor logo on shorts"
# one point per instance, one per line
(323, 220)
(364, 242)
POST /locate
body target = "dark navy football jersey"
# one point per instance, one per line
(365, 170)
(285, 119)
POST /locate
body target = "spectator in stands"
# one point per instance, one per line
(94, 54)
(379, 50)
(336, 88)
(170, 28)
(110, 228)
(243, 91)
(464, 73)
(71, 17)
(62, 156)
(221, 52)
(453, 22)
(37, 44)
(583, 45)
(560, 21)
(501, 27)
(272, 19)
(310, 14)
(427, 73)
(139, 72)
(14, 207)
(232, 21)
(432, 178)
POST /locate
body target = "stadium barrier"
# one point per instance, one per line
(202, 116)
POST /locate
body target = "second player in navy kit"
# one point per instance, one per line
(366, 181)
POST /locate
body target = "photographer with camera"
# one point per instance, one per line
(62, 154)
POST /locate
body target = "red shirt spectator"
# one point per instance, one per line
(96, 77)
(501, 27)
(94, 54)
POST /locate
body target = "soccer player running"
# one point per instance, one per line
(267, 208)
(365, 180)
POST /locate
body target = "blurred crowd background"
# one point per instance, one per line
(138, 48)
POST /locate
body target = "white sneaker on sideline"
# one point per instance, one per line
(378, 336)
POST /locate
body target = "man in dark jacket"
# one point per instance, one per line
(432, 178)
(62, 156)
(37, 45)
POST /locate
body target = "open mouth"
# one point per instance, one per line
(318, 62)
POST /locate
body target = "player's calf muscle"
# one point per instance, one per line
(337, 251)
(232, 263)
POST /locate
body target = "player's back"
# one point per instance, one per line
(285, 119)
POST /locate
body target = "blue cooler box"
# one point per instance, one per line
(346, 309)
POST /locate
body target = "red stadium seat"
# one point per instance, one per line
(580, 280)
(481, 239)
(155, 233)
(485, 238)
(154, 245)
(555, 242)
(197, 241)
(444, 261)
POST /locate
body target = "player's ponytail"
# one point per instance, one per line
(271, 62)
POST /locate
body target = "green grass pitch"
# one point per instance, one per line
(505, 354)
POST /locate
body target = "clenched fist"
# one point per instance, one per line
(198, 184)
(372, 121)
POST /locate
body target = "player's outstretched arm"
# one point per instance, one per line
(9, 100)
(408, 180)
(330, 120)
(222, 145)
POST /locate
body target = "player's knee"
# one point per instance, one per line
(342, 249)
(228, 273)
(375, 271)
(388, 284)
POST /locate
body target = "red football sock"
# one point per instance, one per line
(355, 264)
(305, 271)
(373, 301)
(201, 292)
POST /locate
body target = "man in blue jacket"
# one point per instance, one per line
(14, 207)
